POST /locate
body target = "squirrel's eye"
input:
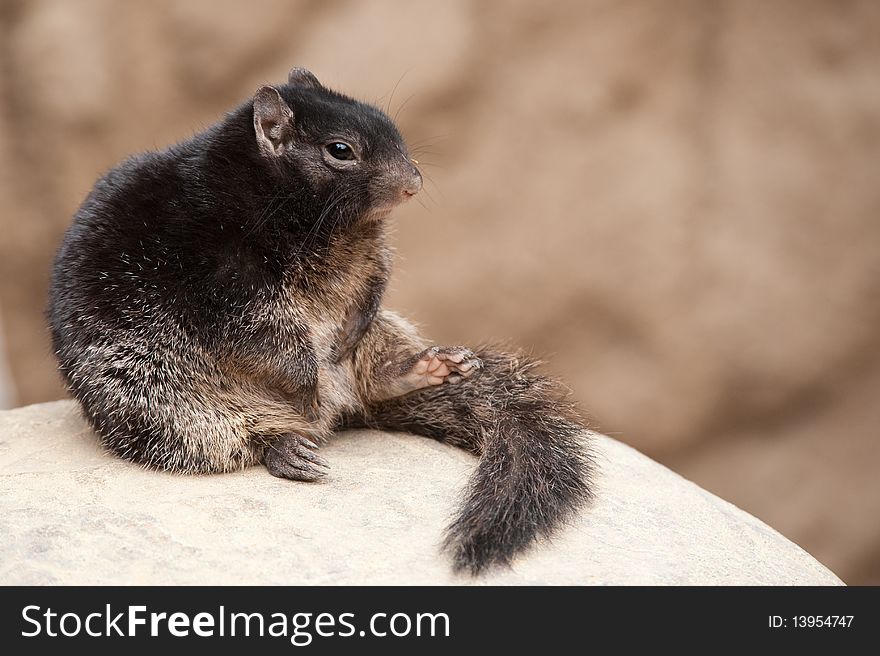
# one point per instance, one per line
(339, 150)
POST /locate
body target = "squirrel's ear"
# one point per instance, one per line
(271, 121)
(300, 77)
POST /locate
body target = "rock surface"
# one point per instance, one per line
(70, 514)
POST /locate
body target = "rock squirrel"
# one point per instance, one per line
(217, 305)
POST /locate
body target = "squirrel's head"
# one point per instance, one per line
(349, 155)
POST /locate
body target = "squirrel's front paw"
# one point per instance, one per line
(433, 366)
(293, 456)
(444, 364)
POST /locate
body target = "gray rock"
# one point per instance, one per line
(71, 514)
(6, 388)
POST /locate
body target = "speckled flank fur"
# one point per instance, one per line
(218, 304)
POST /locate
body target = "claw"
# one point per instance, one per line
(449, 364)
(293, 456)
(433, 366)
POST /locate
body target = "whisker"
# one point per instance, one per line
(429, 141)
(391, 97)
(400, 109)
(435, 185)
(433, 165)
(430, 197)
(265, 215)
(336, 198)
(316, 226)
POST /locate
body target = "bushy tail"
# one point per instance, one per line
(534, 468)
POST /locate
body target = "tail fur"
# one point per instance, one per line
(534, 468)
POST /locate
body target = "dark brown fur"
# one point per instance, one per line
(218, 305)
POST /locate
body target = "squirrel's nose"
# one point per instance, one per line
(414, 185)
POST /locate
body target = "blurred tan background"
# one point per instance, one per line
(677, 202)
